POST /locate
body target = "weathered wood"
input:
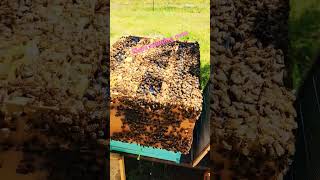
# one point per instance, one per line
(117, 167)
(201, 137)
(201, 155)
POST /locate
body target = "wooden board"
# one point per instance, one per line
(181, 164)
(201, 137)
(202, 154)
(117, 167)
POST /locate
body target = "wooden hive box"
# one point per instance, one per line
(155, 94)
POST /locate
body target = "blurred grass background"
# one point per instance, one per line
(304, 35)
(164, 18)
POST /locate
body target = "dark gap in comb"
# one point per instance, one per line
(150, 84)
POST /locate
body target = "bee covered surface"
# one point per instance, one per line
(155, 94)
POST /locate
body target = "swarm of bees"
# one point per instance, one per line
(53, 81)
(252, 113)
(155, 92)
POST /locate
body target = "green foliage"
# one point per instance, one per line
(304, 35)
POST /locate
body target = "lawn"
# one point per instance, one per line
(304, 34)
(164, 18)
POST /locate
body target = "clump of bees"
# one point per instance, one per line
(53, 97)
(155, 91)
(252, 112)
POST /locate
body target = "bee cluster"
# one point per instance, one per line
(252, 112)
(155, 94)
(53, 84)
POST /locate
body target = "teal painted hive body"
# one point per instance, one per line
(134, 148)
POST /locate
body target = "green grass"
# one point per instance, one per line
(164, 19)
(304, 34)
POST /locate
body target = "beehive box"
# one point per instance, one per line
(155, 94)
